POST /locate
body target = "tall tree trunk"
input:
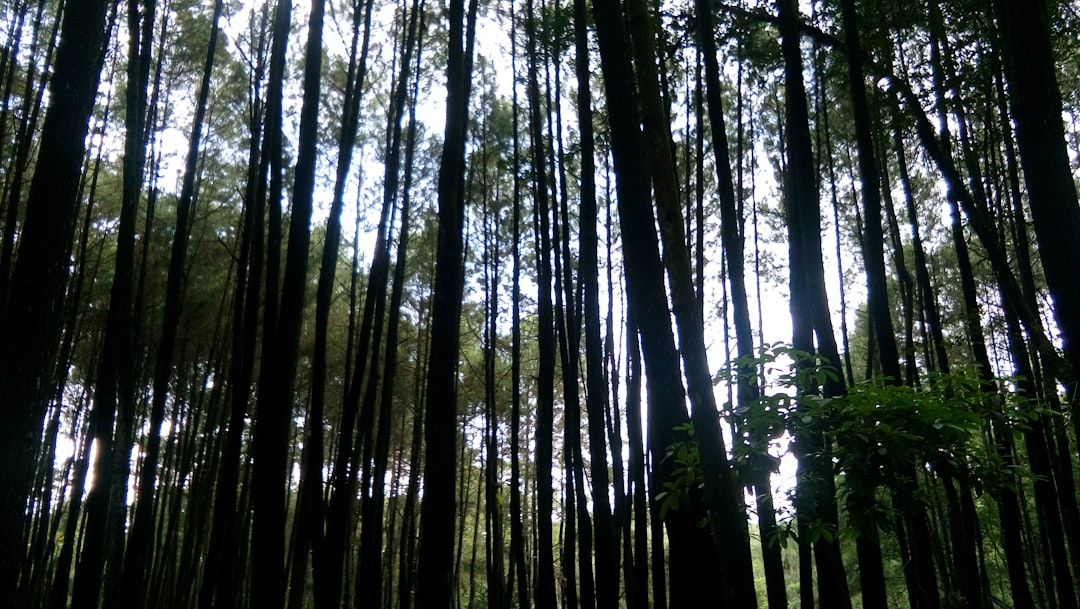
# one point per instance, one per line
(636, 551)
(579, 588)
(693, 556)
(722, 495)
(441, 429)
(1032, 368)
(113, 410)
(871, 569)
(139, 553)
(1008, 500)
(596, 395)
(264, 447)
(928, 303)
(84, 276)
(518, 570)
(22, 141)
(328, 563)
(1040, 137)
(407, 579)
(906, 281)
(734, 256)
(30, 321)
(219, 582)
(810, 314)
(276, 401)
(371, 543)
(545, 592)
(978, 216)
(493, 522)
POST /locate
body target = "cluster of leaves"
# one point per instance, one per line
(685, 476)
(881, 429)
(876, 432)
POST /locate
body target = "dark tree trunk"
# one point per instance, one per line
(596, 396)
(928, 303)
(518, 569)
(23, 139)
(1040, 137)
(31, 320)
(441, 429)
(219, 582)
(810, 313)
(276, 401)
(636, 553)
(328, 568)
(493, 516)
(734, 256)
(580, 586)
(371, 542)
(409, 537)
(58, 595)
(906, 281)
(270, 430)
(545, 592)
(871, 569)
(722, 496)
(647, 302)
(980, 221)
(1008, 500)
(142, 530)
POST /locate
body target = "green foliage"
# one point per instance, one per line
(790, 381)
(880, 429)
(878, 432)
(685, 475)
(766, 418)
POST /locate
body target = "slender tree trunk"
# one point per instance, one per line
(928, 303)
(140, 550)
(810, 314)
(596, 397)
(545, 592)
(692, 554)
(1040, 137)
(407, 579)
(276, 402)
(907, 282)
(23, 138)
(371, 544)
(871, 569)
(270, 435)
(440, 429)
(519, 570)
(31, 320)
(1008, 500)
(734, 256)
(722, 496)
(219, 582)
(980, 222)
(328, 562)
(637, 569)
(493, 522)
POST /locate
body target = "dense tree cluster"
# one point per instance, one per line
(504, 303)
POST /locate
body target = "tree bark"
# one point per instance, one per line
(596, 395)
(30, 321)
(723, 499)
(1040, 137)
(810, 315)
(441, 429)
(276, 401)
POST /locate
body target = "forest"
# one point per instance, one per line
(565, 304)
